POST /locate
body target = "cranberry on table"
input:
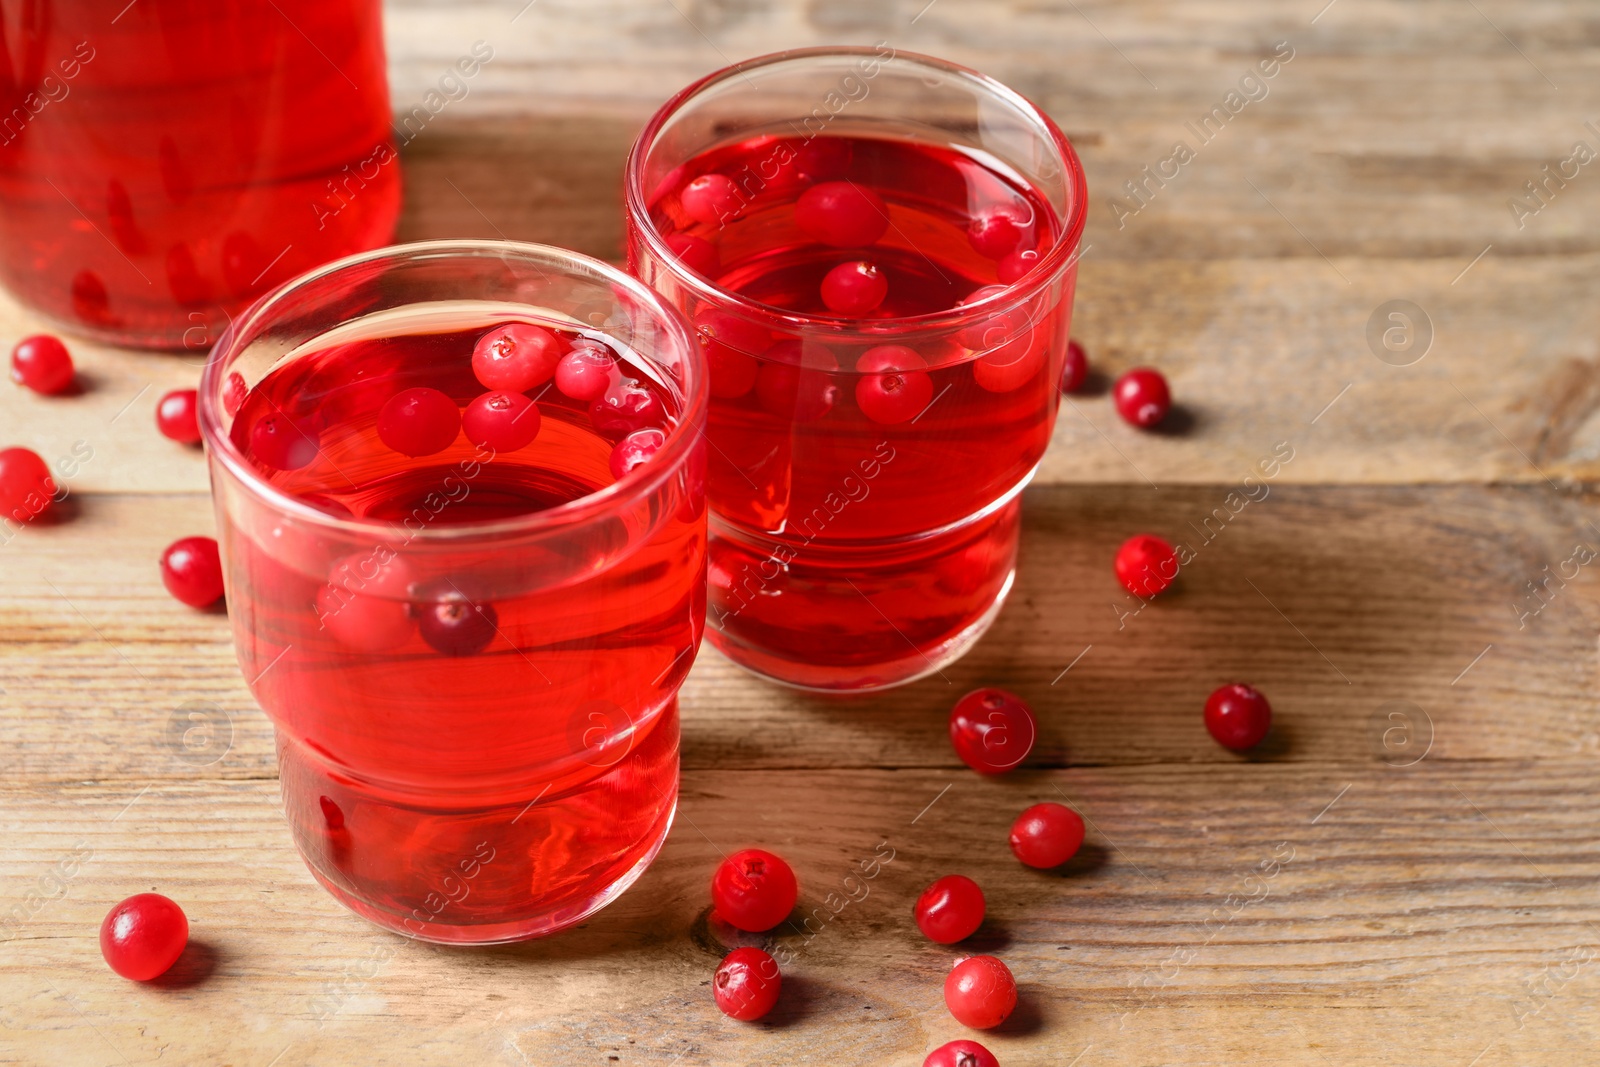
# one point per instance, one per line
(142, 937)
(790, 390)
(894, 386)
(516, 356)
(961, 1054)
(1238, 716)
(995, 234)
(191, 569)
(980, 992)
(1016, 266)
(1046, 835)
(501, 422)
(950, 909)
(586, 371)
(635, 450)
(1075, 368)
(1142, 397)
(992, 730)
(854, 288)
(177, 416)
(841, 214)
(457, 626)
(1146, 565)
(26, 488)
(754, 890)
(43, 364)
(419, 422)
(284, 443)
(746, 984)
(710, 198)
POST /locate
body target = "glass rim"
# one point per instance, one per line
(1060, 257)
(620, 494)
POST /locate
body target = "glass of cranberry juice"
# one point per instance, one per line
(460, 501)
(877, 252)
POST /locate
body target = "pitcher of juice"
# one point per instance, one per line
(164, 162)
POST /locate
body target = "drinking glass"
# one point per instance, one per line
(474, 701)
(865, 468)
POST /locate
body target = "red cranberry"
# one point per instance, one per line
(824, 159)
(950, 909)
(191, 570)
(961, 1054)
(516, 356)
(1142, 397)
(142, 937)
(728, 342)
(177, 417)
(1146, 565)
(284, 443)
(625, 407)
(995, 234)
(746, 984)
(980, 992)
(586, 371)
(501, 422)
(366, 605)
(43, 364)
(854, 288)
(711, 199)
(696, 253)
(1046, 835)
(635, 450)
(457, 626)
(1075, 368)
(754, 890)
(1016, 266)
(26, 487)
(419, 422)
(1238, 716)
(792, 391)
(992, 730)
(893, 386)
(841, 214)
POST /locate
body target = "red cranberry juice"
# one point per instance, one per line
(832, 484)
(479, 741)
(162, 166)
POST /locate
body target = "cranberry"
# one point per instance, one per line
(586, 371)
(457, 626)
(961, 1054)
(366, 604)
(635, 450)
(1046, 835)
(1016, 266)
(728, 342)
(233, 393)
(746, 984)
(854, 288)
(710, 198)
(143, 936)
(501, 422)
(26, 487)
(950, 909)
(177, 417)
(980, 992)
(1011, 365)
(284, 443)
(992, 730)
(43, 364)
(1238, 716)
(419, 422)
(995, 234)
(1074, 369)
(824, 159)
(1142, 397)
(792, 391)
(191, 570)
(841, 214)
(516, 356)
(696, 253)
(893, 386)
(625, 407)
(1146, 565)
(754, 890)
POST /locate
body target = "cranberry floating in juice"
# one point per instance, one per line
(465, 586)
(882, 286)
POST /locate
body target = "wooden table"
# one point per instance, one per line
(1405, 873)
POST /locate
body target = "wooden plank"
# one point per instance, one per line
(1243, 915)
(1389, 601)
